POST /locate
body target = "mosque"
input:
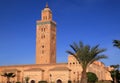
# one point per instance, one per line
(46, 67)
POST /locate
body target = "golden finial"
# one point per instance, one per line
(46, 5)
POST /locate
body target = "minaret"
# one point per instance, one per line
(46, 38)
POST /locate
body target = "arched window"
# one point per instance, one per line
(70, 64)
(43, 46)
(42, 51)
(73, 62)
(42, 29)
(42, 36)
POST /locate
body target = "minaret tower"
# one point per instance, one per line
(46, 38)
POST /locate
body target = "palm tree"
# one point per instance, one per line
(27, 79)
(116, 43)
(8, 76)
(86, 55)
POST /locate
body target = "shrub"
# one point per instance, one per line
(104, 81)
(52, 82)
(91, 77)
(18, 82)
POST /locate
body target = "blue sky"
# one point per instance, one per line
(90, 21)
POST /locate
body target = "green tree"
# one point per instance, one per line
(8, 76)
(91, 77)
(27, 79)
(115, 73)
(86, 55)
(116, 43)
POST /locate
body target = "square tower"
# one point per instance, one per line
(46, 38)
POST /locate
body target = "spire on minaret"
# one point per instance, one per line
(46, 13)
(46, 5)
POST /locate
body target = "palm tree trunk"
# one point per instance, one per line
(115, 80)
(84, 76)
(8, 80)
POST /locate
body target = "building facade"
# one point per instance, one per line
(46, 67)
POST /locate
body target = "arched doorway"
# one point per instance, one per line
(59, 81)
(32, 81)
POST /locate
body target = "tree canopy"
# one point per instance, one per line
(8, 75)
(86, 55)
(116, 43)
